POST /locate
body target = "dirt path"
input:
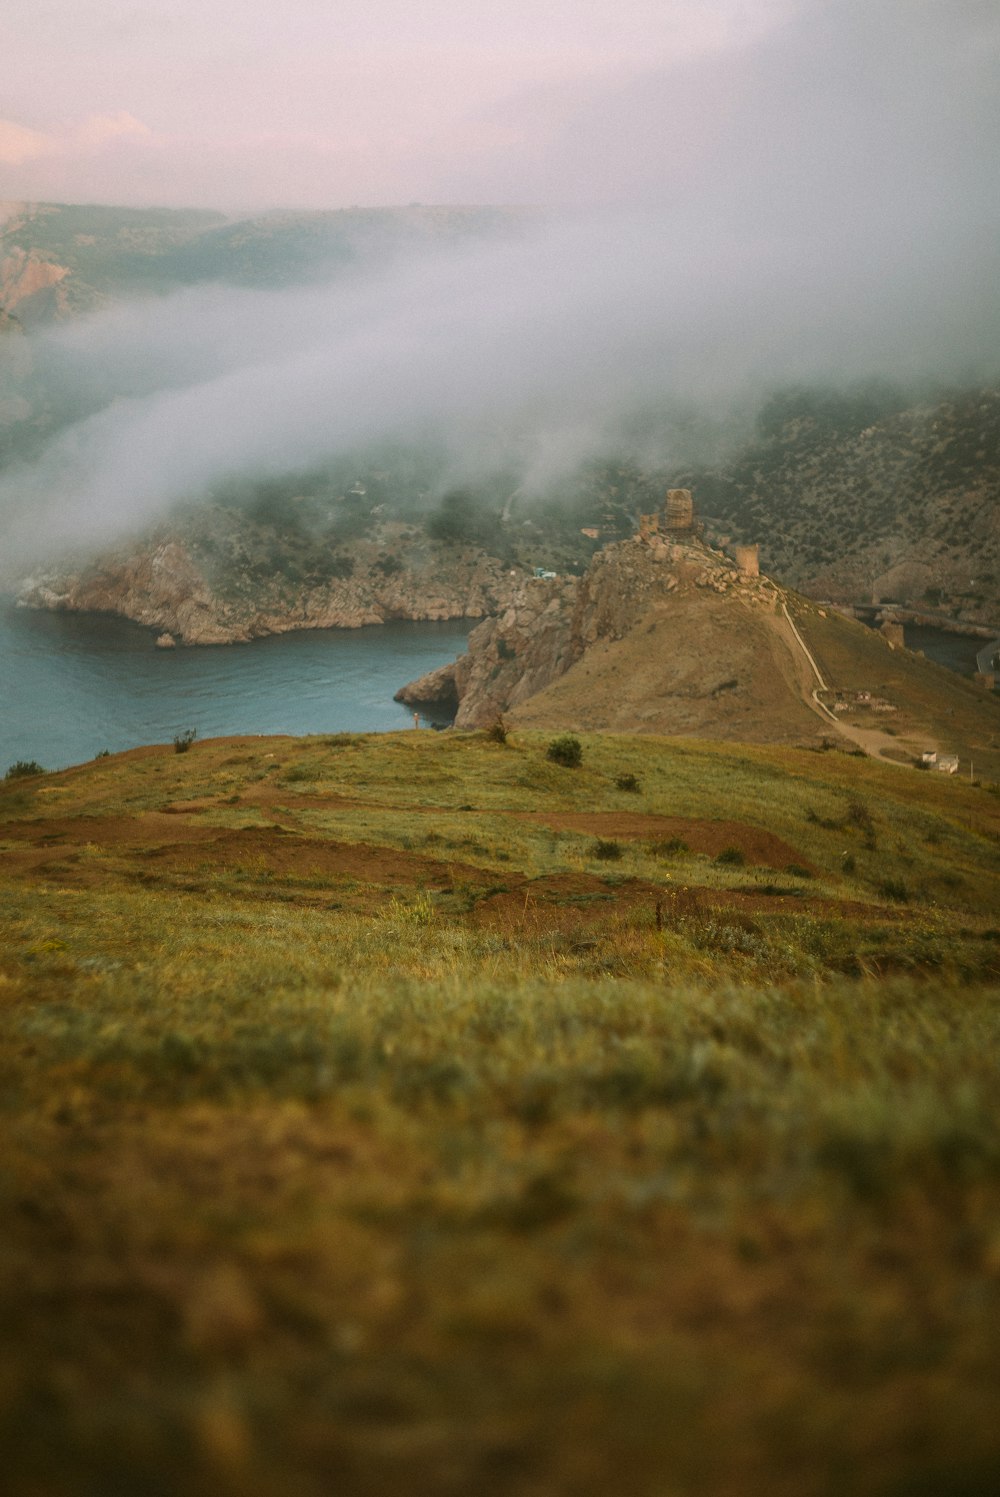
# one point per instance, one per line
(873, 741)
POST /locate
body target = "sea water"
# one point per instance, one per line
(72, 685)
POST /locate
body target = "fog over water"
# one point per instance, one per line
(818, 205)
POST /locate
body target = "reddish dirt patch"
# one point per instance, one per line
(273, 850)
(158, 844)
(151, 827)
(711, 837)
(284, 796)
(562, 901)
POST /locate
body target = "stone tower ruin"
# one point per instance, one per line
(680, 510)
(747, 558)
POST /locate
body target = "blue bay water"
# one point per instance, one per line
(74, 684)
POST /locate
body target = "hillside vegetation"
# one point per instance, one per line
(422, 1113)
(872, 494)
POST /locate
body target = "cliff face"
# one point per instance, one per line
(30, 282)
(179, 589)
(550, 629)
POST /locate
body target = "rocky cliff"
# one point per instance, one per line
(667, 635)
(552, 627)
(182, 587)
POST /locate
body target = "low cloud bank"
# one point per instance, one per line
(781, 253)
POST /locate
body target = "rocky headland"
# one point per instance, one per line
(553, 627)
(219, 583)
(666, 634)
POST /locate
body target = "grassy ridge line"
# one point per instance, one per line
(311, 1178)
(862, 826)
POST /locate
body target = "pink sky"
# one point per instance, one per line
(320, 104)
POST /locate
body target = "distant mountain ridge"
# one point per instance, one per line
(59, 260)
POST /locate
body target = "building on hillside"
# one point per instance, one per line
(948, 764)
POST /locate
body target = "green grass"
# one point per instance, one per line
(339, 1176)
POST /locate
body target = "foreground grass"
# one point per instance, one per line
(315, 1182)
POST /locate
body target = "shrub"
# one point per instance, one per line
(668, 847)
(22, 768)
(566, 751)
(183, 741)
(733, 857)
(607, 851)
(798, 870)
(628, 782)
(497, 730)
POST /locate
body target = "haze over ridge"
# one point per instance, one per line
(819, 204)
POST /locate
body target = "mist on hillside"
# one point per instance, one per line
(820, 209)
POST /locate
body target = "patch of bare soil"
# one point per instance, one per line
(712, 837)
(159, 842)
(103, 831)
(276, 851)
(559, 902)
(281, 795)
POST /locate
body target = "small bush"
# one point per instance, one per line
(668, 847)
(628, 782)
(104, 754)
(497, 730)
(732, 857)
(566, 751)
(22, 768)
(606, 851)
(849, 863)
(183, 741)
(894, 888)
(798, 870)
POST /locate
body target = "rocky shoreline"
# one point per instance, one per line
(166, 587)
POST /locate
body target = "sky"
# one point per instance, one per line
(325, 103)
(737, 196)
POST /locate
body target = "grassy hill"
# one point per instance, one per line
(419, 1113)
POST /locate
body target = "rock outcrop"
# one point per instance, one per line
(550, 626)
(175, 587)
(29, 280)
(510, 656)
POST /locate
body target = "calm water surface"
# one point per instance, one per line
(956, 651)
(72, 684)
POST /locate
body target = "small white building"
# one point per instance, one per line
(948, 764)
(929, 756)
